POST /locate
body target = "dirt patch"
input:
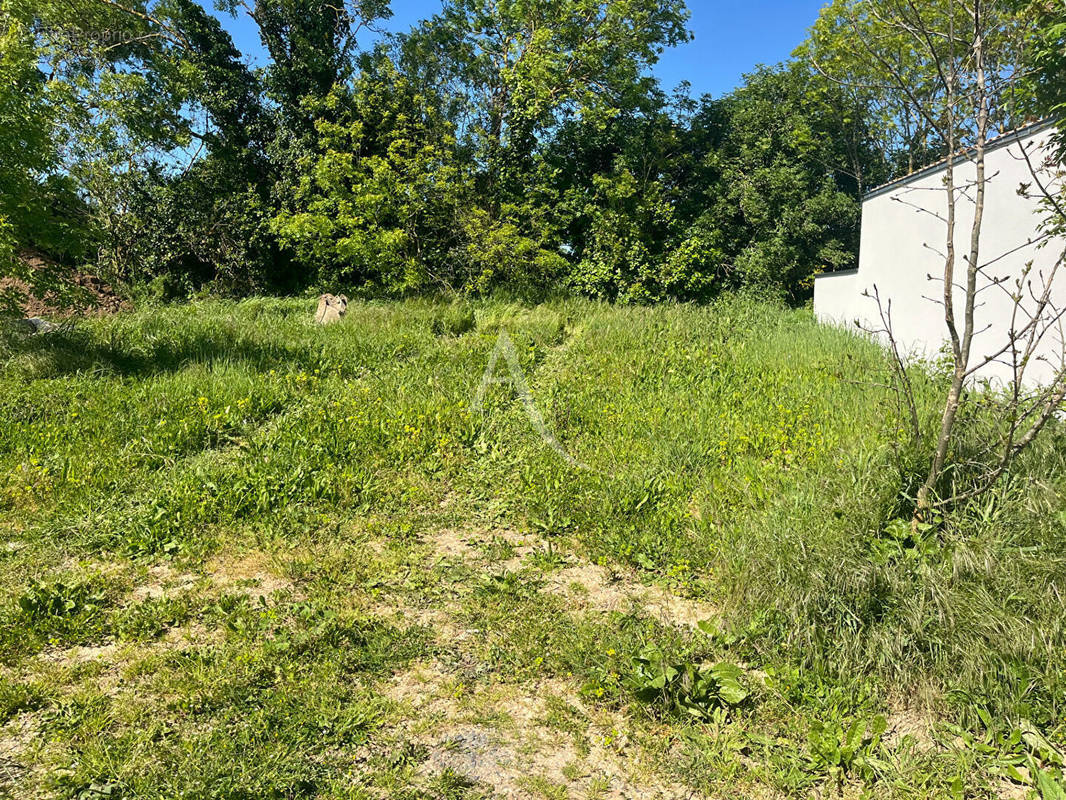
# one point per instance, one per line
(110, 669)
(18, 739)
(439, 619)
(251, 573)
(73, 656)
(585, 584)
(452, 543)
(599, 588)
(473, 751)
(674, 610)
(1012, 791)
(186, 637)
(903, 723)
(591, 586)
(423, 687)
(162, 580)
(508, 738)
(71, 668)
(473, 543)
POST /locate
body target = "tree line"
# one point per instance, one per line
(518, 145)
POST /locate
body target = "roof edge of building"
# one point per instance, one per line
(995, 143)
(837, 273)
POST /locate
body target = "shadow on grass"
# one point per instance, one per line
(77, 351)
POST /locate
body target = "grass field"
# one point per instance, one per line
(247, 557)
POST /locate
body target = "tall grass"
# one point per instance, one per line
(738, 451)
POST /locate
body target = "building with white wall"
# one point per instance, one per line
(901, 258)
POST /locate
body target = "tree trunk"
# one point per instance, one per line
(961, 345)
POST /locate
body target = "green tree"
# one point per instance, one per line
(378, 202)
(27, 147)
(788, 195)
(202, 218)
(514, 67)
(311, 45)
(623, 189)
(389, 199)
(1045, 58)
(904, 64)
(684, 200)
(112, 94)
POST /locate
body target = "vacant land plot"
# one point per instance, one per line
(242, 556)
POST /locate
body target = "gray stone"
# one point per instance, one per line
(331, 308)
(34, 325)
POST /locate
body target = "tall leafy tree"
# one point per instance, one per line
(623, 190)
(311, 45)
(94, 90)
(379, 200)
(516, 66)
(906, 65)
(790, 179)
(1045, 57)
(758, 188)
(28, 150)
(229, 92)
(204, 216)
(207, 220)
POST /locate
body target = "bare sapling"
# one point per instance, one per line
(960, 67)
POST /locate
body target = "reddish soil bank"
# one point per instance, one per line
(90, 295)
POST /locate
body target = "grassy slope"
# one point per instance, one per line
(248, 557)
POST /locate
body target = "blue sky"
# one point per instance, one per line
(731, 38)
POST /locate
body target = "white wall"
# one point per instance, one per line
(903, 240)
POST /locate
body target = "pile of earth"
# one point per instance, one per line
(82, 293)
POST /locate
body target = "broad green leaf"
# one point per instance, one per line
(731, 691)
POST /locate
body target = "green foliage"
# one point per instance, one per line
(426, 165)
(788, 181)
(16, 697)
(113, 98)
(389, 203)
(71, 610)
(310, 46)
(415, 186)
(507, 145)
(698, 691)
(378, 204)
(625, 253)
(841, 752)
(207, 223)
(1044, 79)
(42, 601)
(499, 255)
(1046, 57)
(912, 93)
(207, 227)
(38, 207)
(756, 189)
(151, 618)
(1018, 753)
(518, 68)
